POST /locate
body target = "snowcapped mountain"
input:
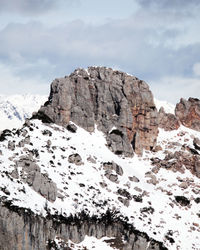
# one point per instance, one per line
(14, 109)
(93, 169)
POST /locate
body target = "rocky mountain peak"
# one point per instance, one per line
(188, 112)
(121, 105)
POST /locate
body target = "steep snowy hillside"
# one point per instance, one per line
(83, 175)
(14, 109)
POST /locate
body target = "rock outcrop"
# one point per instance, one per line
(32, 175)
(188, 112)
(21, 229)
(167, 121)
(179, 161)
(121, 105)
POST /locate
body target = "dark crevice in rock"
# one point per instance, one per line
(133, 142)
(116, 132)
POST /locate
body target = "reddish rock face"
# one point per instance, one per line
(188, 112)
(121, 105)
(167, 121)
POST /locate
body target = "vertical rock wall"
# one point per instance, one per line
(121, 105)
(22, 230)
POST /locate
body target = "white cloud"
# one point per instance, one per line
(179, 5)
(153, 43)
(196, 69)
(173, 88)
(33, 7)
(14, 84)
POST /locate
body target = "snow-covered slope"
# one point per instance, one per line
(168, 107)
(135, 190)
(14, 109)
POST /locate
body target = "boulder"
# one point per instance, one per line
(41, 183)
(182, 200)
(72, 128)
(112, 177)
(110, 99)
(109, 166)
(188, 112)
(75, 158)
(134, 179)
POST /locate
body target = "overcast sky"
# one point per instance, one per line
(156, 40)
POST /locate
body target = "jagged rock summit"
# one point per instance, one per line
(188, 112)
(121, 105)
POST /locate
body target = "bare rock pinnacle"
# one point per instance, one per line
(121, 106)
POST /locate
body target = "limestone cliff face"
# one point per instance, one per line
(121, 105)
(21, 229)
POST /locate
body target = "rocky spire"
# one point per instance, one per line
(188, 112)
(121, 106)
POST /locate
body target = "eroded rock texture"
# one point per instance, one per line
(31, 174)
(121, 105)
(21, 229)
(188, 112)
(167, 121)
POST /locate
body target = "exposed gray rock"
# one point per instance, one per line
(11, 145)
(15, 173)
(21, 229)
(109, 99)
(27, 123)
(109, 166)
(133, 178)
(47, 132)
(76, 159)
(138, 189)
(179, 161)
(5, 190)
(184, 185)
(153, 180)
(24, 141)
(91, 159)
(125, 193)
(111, 177)
(49, 143)
(31, 175)
(124, 201)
